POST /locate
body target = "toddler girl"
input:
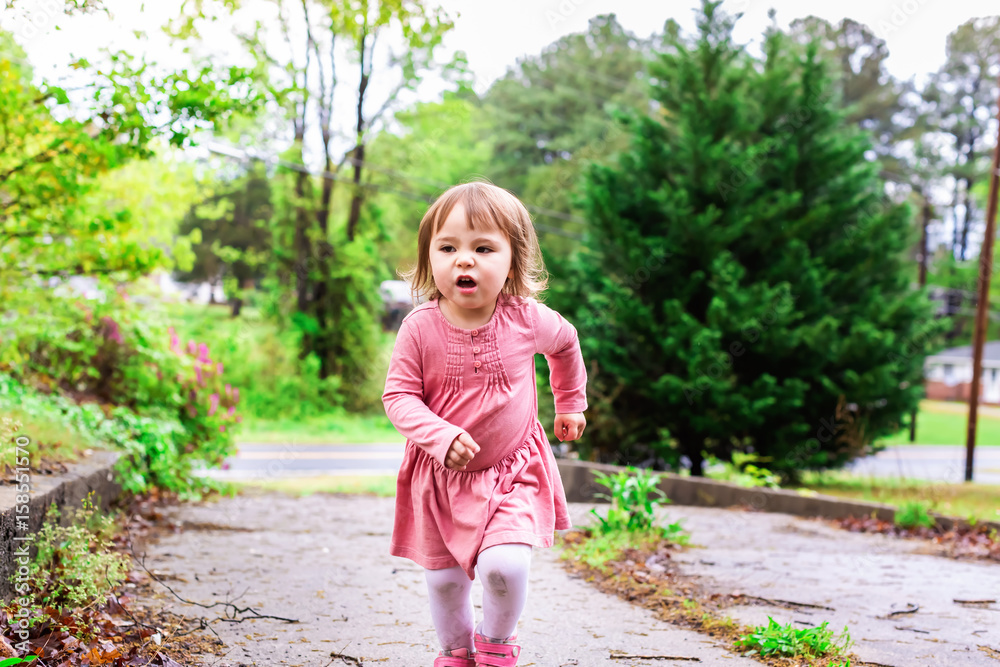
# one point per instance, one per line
(479, 486)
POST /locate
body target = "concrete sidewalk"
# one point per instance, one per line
(323, 561)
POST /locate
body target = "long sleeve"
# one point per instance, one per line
(403, 399)
(557, 340)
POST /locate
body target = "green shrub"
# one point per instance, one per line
(779, 640)
(744, 470)
(75, 565)
(913, 514)
(164, 401)
(263, 359)
(633, 502)
(161, 448)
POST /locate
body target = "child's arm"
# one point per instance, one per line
(403, 399)
(557, 340)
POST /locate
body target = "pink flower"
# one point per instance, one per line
(225, 465)
(197, 374)
(222, 428)
(236, 395)
(232, 409)
(239, 418)
(191, 348)
(220, 368)
(229, 390)
(111, 330)
(203, 352)
(213, 404)
(175, 341)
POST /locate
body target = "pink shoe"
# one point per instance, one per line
(490, 653)
(460, 657)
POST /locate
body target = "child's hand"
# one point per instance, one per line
(570, 426)
(462, 449)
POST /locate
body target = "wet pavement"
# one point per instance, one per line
(323, 560)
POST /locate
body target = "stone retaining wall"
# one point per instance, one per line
(578, 480)
(67, 491)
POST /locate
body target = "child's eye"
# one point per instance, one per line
(485, 248)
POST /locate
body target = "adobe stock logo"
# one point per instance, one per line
(31, 19)
(563, 11)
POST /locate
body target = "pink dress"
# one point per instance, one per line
(444, 380)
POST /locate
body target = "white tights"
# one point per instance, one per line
(503, 571)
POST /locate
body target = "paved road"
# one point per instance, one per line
(323, 560)
(255, 461)
(263, 461)
(944, 463)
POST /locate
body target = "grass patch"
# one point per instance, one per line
(638, 568)
(787, 640)
(945, 423)
(383, 486)
(51, 440)
(979, 501)
(333, 429)
(596, 551)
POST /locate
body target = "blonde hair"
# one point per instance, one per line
(487, 207)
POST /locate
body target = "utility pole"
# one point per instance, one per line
(985, 273)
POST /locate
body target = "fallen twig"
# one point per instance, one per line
(925, 632)
(229, 606)
(654, 657)
(346, 658)
(784, 603)
(974, 601)
(911, 610)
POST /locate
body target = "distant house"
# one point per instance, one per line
(948, 375)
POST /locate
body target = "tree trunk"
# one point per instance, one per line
(966, 214)
(357, 199)
(697, 463)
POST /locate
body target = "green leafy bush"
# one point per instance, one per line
(744, 470)
(775, 639)
(141, 389)
(157, 441)
(75, 565)
(633, 501)
(913, 514)
(263, 359)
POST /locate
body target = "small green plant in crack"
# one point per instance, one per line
(779, 640)
(913, 514)
(75, 566)
(634, 498)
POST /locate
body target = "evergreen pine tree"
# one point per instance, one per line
(742, 285)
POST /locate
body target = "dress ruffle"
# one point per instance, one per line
(447, 517)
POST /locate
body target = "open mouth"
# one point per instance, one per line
(466, 283)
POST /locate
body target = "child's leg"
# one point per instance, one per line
(503, 569)
(450, 592)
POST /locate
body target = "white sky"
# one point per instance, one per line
(494, 35)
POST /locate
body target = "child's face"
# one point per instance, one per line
(457, 251)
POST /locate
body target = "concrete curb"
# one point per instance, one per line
(578, 481)
(93, 473)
